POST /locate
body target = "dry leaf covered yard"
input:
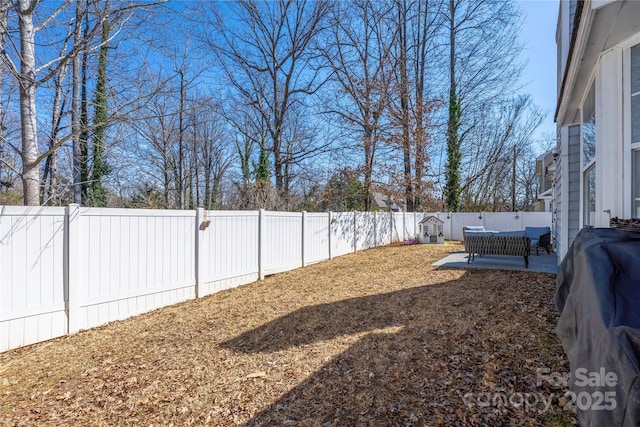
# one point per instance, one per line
(376, 338)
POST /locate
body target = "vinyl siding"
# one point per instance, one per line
(574, 171)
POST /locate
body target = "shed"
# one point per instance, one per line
(431, 230)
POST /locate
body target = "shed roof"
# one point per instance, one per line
(431, 219)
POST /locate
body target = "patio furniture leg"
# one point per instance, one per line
(526, 261)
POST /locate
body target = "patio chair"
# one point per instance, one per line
(540, 237)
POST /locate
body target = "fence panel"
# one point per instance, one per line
(383, 228)
(342, 233)
(461, 219)
(108, 264)
(32, 259)
(397, 227)
(536, 219)
(229, 250)
(365, 230)
(316, 237)
(282, 241)
(502, 221)
(411, 224)
(134, 261)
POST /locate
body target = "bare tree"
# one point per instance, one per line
(27, 81)
(26, 74)
(211, 154)
(501, 141)
(254, 190)
(482, 65)
(266, 51)
(79, 160)
(4, 13)
(418, 22)
(32, 72)
(157, 133)
(358, 51)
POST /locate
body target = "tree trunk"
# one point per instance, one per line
(404, 105)
(368, 168)
(452, 174)
(4, 11)
(84, 119)
(99, 166)
(420, 71)
(166, 174)
(513, 181)
(30, 174)
(180, 143)
(51, 166)
(76, 108)
(207, 182)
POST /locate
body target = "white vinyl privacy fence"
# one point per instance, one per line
(66, 269)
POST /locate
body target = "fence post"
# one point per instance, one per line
(392, 220)
(404, 226)
(330, 214)
(72, 263)
(261, 244)
(355, 237)
(304, 219)
(375, 229)
(200, 230)
(450, 215)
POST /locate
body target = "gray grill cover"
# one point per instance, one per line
(598, 296)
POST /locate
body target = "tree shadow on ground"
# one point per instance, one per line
(428, 354)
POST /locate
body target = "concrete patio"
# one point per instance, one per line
(543, 263)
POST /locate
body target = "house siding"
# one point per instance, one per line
(557, 211)
(594, 39)
(574, 171)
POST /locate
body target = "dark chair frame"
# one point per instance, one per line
(544, 241)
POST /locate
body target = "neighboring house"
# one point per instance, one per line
(545, 170)
(598, 115)
(382, 202)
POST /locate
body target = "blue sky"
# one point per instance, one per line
(538, 34)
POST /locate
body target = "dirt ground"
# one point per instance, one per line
(376, 338)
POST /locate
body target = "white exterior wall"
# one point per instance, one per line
(561, 194)
(606, 31)
(609, 138)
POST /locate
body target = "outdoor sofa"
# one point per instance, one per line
(479, 241)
